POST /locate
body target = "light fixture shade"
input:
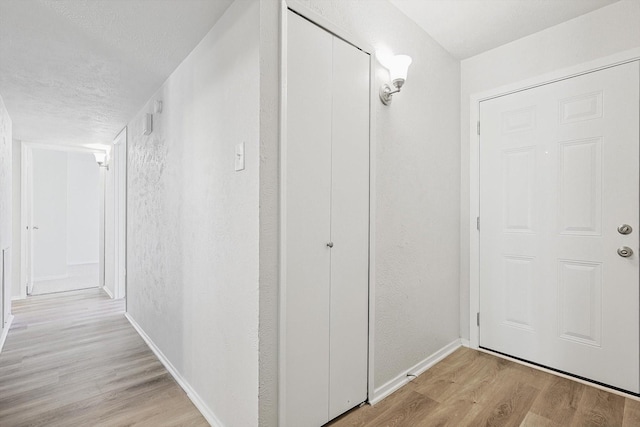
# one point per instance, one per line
(399, 67)
(100, 157)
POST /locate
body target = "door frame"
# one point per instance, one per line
(26, 203)
(474, 161)
(319, 20)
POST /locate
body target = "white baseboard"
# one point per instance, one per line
(191, 393)
(108, 292)
(5, 332)
(19, 297)
(402, 379)
(465, 342)
(55, 277)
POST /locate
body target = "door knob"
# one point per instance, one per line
(625, 229)
(330, 244)
(625, 251)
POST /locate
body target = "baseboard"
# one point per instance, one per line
(55, 277)
(402, 379)
(108, 292)
(18, 298)
(5, 332)
(465, 342)
(191, 393)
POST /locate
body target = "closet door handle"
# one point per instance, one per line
(330, 244)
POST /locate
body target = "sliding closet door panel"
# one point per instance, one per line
(307, 168)
(349, 228)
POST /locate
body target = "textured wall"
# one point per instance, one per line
(269, 209)
(192, 259)
(597, 34)
(5, 176)
(6, 143)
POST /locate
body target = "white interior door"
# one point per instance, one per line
(326, 226)
(49, 221)
(349, 228)
(559, 174)
(306, 256)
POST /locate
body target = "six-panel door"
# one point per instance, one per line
(558, 175)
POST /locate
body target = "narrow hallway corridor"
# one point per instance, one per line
(73, 359)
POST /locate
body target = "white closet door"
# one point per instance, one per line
(307, 173)
(326, 226)
(349, 228)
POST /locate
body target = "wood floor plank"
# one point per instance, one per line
(559, 400)
(72, 359)
(365, 415)
(631, 413)
(509, 405)
(535, 420)
(449, 414)
(599, 408)
(415, 407)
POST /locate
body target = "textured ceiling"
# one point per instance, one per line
(468, 27)
(75, 71)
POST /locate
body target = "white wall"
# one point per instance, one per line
(417, 210)
(269, 210)
(192, 231)
(83, 204)
(5, 199)
(49, 214)
(603, 32)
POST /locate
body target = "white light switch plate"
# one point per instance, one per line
(240, 156)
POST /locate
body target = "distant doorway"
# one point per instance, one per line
(64, 224)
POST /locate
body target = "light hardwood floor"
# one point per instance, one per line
(72, 359)
(471, 388)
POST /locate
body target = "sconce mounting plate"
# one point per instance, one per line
(385, 94)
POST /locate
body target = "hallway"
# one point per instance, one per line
(72, 359)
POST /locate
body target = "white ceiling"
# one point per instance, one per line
(468, 27)
(75, 71)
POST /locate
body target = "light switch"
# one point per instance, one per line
(240, 156)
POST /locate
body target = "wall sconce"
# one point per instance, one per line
(101, 160)
(398, 67)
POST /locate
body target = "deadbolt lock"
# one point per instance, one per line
(625, 229)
